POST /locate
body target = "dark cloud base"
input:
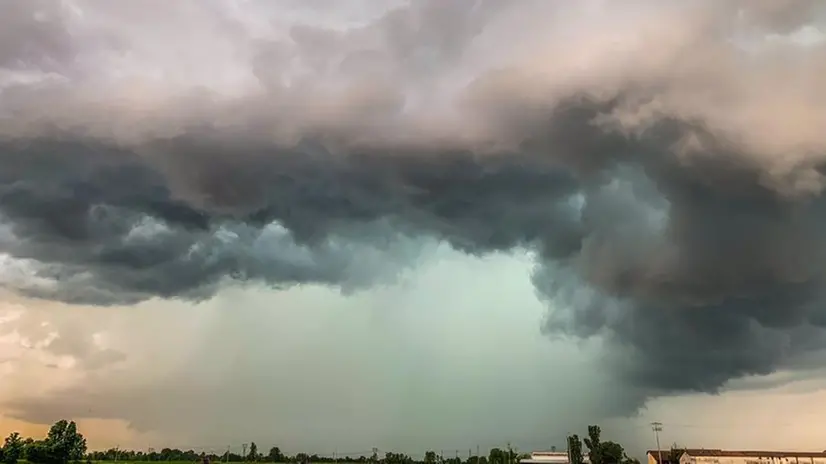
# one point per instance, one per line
(696, 272)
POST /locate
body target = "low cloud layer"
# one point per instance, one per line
(663, 162)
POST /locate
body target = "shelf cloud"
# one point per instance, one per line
(664, 163)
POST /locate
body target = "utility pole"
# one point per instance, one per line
(226, 459)
(478, 458)
(244, 451)
(657, 427)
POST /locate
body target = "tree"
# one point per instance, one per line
(397, 458)
(39, 452)
(12, 448)
(601, 452)
(497, 456)
(675, 453)
(575, 449)
(62, 444)
(594, 444)
(275, 454)
(511, 455)
(65, 442)
(430, 457)
(253, 455)
(612, 452)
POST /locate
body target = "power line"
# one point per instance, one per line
(714, 426)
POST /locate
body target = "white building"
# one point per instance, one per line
(550, 457)
(719, 456)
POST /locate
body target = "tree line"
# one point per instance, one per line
(64, 444)
(496, 456)
(599, 452)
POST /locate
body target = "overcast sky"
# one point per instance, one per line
(451, 358)
(333, 225)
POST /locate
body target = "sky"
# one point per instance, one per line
(333, 226)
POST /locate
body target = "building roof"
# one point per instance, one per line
(546, 457)
(666, 454)
(739, 453)
(549, 457)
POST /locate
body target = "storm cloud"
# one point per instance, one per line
(664, 163)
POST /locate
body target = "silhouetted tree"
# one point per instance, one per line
(12, 448)
(65, 442)
(497, 456)
(594, 444)
(397, 458)
(612, 452)
(575, 449)
(675, 453)
(275, 454)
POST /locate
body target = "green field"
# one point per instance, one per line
(158, 461)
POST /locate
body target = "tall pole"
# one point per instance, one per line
(657, 427)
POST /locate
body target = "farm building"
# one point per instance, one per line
(549, 457)
(719, 456)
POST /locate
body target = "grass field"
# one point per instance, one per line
(158, 461)
(176, 462)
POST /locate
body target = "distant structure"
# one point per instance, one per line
(719, 456)
(551, 457)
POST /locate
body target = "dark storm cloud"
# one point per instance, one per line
(89, 213)
(660, 222)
